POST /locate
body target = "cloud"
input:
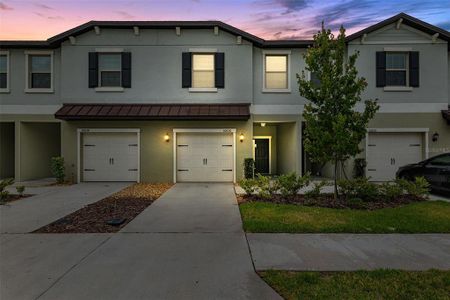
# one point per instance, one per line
(49, 17)
(3, 6)
(124, 14)
(43, 6)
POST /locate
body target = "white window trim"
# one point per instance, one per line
(399, 88)
(200, 130)
(80, 131)
(202, 51)
(27, 75)
(8, 72)
(101, 88)
(263, 137)
(276, 52)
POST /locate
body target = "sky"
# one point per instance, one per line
(268, 19)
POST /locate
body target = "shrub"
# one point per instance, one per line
(3, 184)
(418, 188)
(20, 189)
(249, 168)
(390, 190)
(265, 187)
(359, 168)
(290, 184)
(58, 169)
(314, 193)
(358, 188)
(248, 185)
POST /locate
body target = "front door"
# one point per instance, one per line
(262, 156)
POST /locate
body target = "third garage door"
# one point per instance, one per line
(388, 151)
(205, 157)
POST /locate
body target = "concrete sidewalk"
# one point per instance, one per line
(28, 214)
(347, 252)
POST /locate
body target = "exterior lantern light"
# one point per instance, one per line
(263, 124)
(166, 137)
(435, 137)
(241, 137)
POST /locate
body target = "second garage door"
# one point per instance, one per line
(205, 157)
(388, 151)
(110, 156)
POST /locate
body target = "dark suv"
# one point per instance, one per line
(436, 171)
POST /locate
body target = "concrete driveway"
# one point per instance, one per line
(52, 203)
(189, 244)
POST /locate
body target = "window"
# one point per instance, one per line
(4, 71)
(110, 69)
(40, 71)
(203, 71)
(443, 160)
(314, 79)
(397, 69)
(276, 72)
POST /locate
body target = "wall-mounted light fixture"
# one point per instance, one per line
(263, 124)
(167, 137)
(241, 137)
(435, 137)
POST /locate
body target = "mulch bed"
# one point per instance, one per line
(328, 201)
(125, 204)
(14, 197)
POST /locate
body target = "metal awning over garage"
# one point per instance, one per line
(154, 112)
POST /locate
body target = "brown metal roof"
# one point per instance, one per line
(154, 112)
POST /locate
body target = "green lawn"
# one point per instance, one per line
(378, 284)
(420, 217)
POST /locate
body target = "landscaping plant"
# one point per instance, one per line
(390, 190)
(265, 187)
(315, 191)
(249, 168)
(290, 184)
(248, 185)
(359, 188)
(20, 189)
(418, 188)
(359, 168)
(334, 128)
(58, 168)
(3, 192)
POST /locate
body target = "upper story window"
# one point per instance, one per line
(39, 71)
(397, 69)
(314, 79)
(4, 70)
(203, 70)
(276, 72)
(110, 69)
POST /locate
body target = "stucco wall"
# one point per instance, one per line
(156, 154)
(288, 148)
(7, 150)
(38, 143)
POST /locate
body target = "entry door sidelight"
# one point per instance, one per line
(262, 156)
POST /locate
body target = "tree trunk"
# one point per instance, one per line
(335, 179)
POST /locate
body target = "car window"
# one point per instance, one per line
(443, 160)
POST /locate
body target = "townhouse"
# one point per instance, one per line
(189, 101)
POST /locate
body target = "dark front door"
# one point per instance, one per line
(262, 156)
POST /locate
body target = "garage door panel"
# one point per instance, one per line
(205, 157)
(110, 156)
(387, 152)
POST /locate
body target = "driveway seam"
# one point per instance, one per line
(72, 267)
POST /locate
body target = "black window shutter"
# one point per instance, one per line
(381, 69)
(126, 69)
(93, 69)
(414, 69)
(186, 71)
(219, 65)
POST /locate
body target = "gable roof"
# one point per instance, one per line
(56, 40)
(408, 20)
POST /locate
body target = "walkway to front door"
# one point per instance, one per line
(187, 245)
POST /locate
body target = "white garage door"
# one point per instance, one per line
(205, 157)
(388, 151)
(110, 156)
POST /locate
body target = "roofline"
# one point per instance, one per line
(55, 41)
(408, 20)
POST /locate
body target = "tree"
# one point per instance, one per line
(334, 127)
